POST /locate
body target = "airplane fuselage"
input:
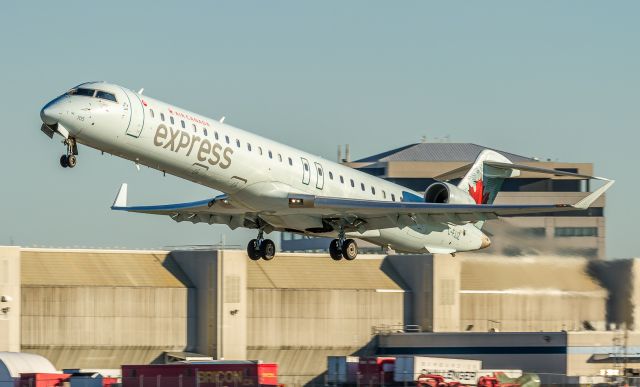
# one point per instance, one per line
(258, 174)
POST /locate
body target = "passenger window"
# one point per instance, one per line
(204, 130)
(279, 157)
(319, 171)
(182, 123)
(215, 134)
(373, 190)
(362, 186)
(353, 184)
(162, 117)
(290, 161)
(393, 197)
(306, 167)
(151, 112)
(226, 138)
(330, 175)
(270, 155)
(195, 129)
(171, 119)
(238, 143)
(249, 147)
(260, 150)
(341, 179)
(384, 194)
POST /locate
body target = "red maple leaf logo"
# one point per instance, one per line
(477, 193)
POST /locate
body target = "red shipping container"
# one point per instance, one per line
(214, 374)
(376, 370)
(43, 380)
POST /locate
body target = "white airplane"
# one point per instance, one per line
(270, 186)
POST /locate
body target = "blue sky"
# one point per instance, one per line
(556, 80)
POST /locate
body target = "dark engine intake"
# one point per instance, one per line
(441, 192)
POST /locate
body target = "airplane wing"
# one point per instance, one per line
(374, 214)
(217, 210)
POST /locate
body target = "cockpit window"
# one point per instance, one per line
(82, 91)
(105, 95)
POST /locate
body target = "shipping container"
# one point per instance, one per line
(202, 374)
(409, 369)
(342, 369)
(42, 379)
(375, 370)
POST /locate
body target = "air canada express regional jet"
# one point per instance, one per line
(270, 186)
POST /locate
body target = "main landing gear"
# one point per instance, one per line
(70, 159)
(261, 248)
(343, 248)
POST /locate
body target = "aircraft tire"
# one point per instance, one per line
(72, 161)
(349, 249)
(64, 163)
(267, 249)
(334, 251)
(252, 250)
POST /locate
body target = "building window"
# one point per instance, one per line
(576, 232)
(161, 116)
(151, 112)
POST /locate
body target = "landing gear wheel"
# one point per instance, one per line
(72, 161)
(252, 250)
(349, 249)
(334, 250)
(64, 161)
(267, 249)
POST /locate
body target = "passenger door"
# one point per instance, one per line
(306, 173)
(136, 123)
(319, 176)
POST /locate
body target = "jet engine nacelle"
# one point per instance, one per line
(441, 192)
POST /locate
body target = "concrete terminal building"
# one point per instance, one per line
(416, 166)
(104, 308)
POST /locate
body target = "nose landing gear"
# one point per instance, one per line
(69, 159)
(261, 248)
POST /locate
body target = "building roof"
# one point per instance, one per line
(433, 151)
(290, 271)
(12, 364)
(52, 267)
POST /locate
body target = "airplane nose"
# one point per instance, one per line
(486, 242)
(50, 115)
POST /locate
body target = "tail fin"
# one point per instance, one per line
(483, 182)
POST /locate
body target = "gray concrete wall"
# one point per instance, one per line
(10, 289)
(98, 327)
(220, 281)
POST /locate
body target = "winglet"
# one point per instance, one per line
(588, 200)
(121, 198)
